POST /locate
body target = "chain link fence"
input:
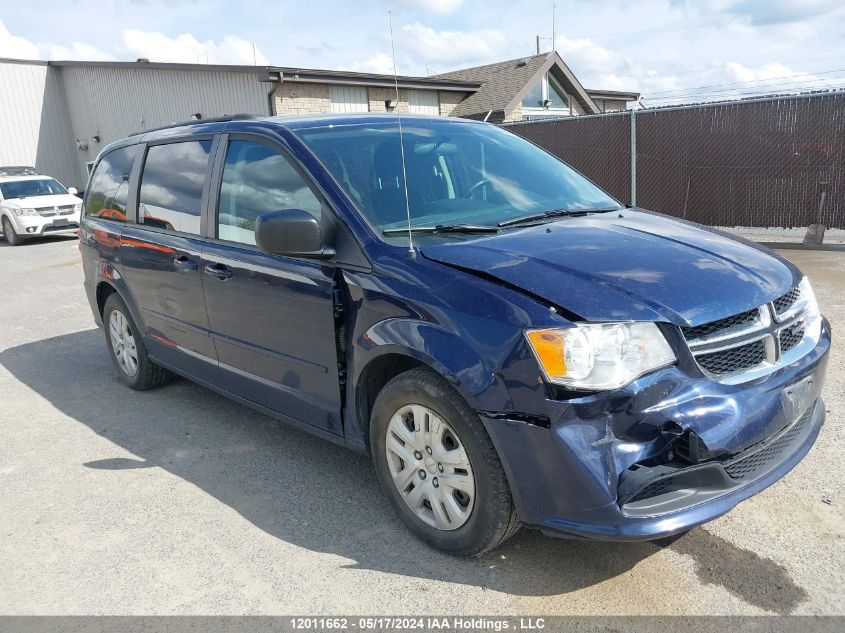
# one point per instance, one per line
(764, 163)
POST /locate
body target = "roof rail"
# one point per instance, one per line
(220, 119)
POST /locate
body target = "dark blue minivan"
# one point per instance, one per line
(510, 344)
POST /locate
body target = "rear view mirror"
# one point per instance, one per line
(291, 232)
(72, 191)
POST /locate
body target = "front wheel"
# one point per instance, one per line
(439, 467)
(12, 237)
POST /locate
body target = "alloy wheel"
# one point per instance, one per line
(123, 343)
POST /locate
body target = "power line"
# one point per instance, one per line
(726, 95)
(673, 28)
(744, 89)
(741, 83)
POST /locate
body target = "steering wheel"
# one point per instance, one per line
(475, 187)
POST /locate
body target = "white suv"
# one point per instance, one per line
(32, 205)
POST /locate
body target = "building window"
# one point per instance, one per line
(349, 99)
(423, 102)
(546, 98)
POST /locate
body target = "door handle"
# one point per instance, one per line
(219, 270)
(185, 264)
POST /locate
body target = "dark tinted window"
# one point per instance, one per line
(457, 172)
(109, 187)
(258, 179)
(171, 186)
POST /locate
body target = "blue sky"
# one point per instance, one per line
(670, 50)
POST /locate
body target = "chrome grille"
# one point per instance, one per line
(791, 336)
(782, 304)
(755, 342)
(47, 212)
(732, 360)
(731, 323)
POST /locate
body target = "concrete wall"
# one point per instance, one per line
(34, 124)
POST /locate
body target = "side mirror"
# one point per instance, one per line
(291, 232)
(72, 191)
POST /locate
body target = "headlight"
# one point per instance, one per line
(77, 208)
(598, 356)
(811, 305)
(25, 212)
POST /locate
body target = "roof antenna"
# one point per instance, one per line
(411, 252)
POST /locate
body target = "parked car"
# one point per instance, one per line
(33, 205)
(510, 344)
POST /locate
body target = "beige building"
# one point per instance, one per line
(536, 87)
(65, 112)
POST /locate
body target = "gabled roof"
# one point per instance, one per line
(504, 83)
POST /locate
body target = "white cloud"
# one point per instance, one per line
(586, 56)
(455, 49)
(379, 63)
(16, 47)
(188, 49)
(435, 6)
(77, 50)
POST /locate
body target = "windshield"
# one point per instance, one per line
(457, 173)
(31, 188)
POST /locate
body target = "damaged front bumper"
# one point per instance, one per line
(668, 452)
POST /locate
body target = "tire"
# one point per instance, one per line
(136, 370)
(9, 233)
(469, 521)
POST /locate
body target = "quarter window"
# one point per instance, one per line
(258, 179)
(172, 184)
(109, 187)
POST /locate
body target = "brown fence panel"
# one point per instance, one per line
(763, 163)
(598, 147)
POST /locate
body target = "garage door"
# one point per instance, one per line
(423, 102)
(349, 99)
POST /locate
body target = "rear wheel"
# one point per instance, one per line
(438, 466)
(128, 353)
(12, 237)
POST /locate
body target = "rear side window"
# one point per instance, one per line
(109, 187)
(171, 186)
(258, 179)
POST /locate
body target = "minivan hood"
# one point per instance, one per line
(628, 265)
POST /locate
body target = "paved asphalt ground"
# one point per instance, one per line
(177, 501)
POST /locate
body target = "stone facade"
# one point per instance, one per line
(448, 101)
(378, 98)
(301, 98)
(515, 114)
(577, 108)
(291, 98)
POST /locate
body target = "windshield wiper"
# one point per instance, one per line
(444, 228)
(553, 214)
